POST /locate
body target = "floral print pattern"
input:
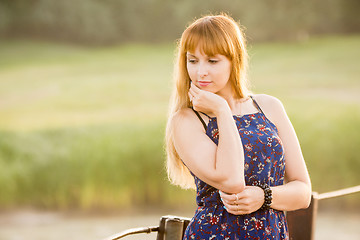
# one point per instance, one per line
(264, 162)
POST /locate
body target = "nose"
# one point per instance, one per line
(202, 70)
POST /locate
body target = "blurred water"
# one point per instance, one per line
(34, 225)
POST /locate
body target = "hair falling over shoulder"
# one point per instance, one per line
(213, 34)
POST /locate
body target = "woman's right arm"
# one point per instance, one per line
(222, 165)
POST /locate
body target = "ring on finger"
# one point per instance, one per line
(236, 200)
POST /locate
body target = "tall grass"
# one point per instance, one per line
(83, 127)
(91, 167)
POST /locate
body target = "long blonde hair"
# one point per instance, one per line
(218, 34)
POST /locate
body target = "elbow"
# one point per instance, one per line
(233, 185)
(308, 201)
(308, 198)
(305, 204)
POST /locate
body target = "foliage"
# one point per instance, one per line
(111, 21)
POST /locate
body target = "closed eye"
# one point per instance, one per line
(192, 60)
(213, 61)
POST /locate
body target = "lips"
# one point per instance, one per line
(204, 83)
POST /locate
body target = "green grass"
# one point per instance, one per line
(83, 127)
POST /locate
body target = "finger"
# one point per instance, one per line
(234, 212)
(228, 197)
(232, 202)
(230, 207)
(228, 202)
(192, 92)
(241, 195)
(190, 97)
(234, 209)
(248, 193)
(240, 212)
(194, 87)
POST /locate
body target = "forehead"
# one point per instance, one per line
(200, 52)
(204, 47)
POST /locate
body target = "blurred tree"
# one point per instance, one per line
(107, 21)
(350, 15)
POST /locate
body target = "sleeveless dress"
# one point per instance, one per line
(264, 163)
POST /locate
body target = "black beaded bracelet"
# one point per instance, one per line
(267, 195)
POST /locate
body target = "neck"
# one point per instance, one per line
(229, 95)
(233, 102)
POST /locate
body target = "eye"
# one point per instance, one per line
(213, 61)
(191, 60)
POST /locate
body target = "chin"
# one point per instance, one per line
(208, 89)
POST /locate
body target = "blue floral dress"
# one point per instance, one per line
(264, 163)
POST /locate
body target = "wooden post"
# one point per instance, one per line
(186, 223)
(301, 222)
(161, 232)
(172, 228)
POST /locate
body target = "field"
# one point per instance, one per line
(82, 128)
(40, 225)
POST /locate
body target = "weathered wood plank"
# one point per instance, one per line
(301, 222)
(339, 193)
(172, 227)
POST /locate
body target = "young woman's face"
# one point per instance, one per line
(210, 73)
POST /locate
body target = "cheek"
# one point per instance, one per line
(226, 73)
(223, 75)
(191, 71)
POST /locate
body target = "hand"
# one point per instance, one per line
(205, 101)
(245, 202)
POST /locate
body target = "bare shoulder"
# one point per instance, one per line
(185, 119)
(267, 101)
(271, 106)
(182, 115)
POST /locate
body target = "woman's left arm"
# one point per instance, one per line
(296, 192)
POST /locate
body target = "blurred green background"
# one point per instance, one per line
(85, 84)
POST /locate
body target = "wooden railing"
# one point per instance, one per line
(301, 222)
(170, 228)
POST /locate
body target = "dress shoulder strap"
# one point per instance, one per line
(257, 105)
(202, 120)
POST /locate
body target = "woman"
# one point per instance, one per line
(240, 149)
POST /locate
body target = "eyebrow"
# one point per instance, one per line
(191, 55)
